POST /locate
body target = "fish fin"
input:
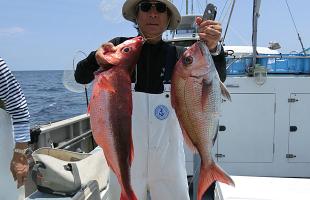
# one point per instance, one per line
(210, 174)
(96, 91)
(205, 91)
(128, 196)
(224, 91)
(172, 101)
(172, 95)
(109, 163)
(88, 109)
(105, 84)
(188, 141)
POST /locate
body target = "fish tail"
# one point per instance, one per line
(224, 91)
(88, 109)
(128, 196)
(104, 83)
(210, 174)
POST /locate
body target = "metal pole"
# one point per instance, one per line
(186, 10)
(256, 6)
(192, 8)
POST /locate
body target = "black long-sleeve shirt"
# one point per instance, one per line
(154, 67)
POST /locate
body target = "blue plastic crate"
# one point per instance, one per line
(296, 65)
(238, 66)
(269, 62)
(307, 65)
(283, 63)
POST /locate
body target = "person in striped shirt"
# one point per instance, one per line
(13, 101)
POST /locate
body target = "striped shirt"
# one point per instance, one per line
(15, 103)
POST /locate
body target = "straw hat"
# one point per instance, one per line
(129, 12)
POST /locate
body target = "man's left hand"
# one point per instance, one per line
(210, 32)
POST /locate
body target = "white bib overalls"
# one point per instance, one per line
(8, 189)
(159, 161)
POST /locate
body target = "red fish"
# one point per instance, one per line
(111, 109)
(196, 97)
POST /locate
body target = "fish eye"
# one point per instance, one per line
(188, 60)
(126, 49)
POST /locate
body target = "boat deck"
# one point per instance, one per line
(264, 188)
(247, 187)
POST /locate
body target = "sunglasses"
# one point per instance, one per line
(146, 6)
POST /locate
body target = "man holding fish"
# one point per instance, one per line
(155, 155)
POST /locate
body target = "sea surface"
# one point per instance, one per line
(47, 97)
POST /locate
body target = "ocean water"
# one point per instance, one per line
(47, 97)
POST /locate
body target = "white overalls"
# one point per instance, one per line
(8, 189)
(159, 160)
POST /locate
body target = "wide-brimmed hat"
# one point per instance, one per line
(129, 12)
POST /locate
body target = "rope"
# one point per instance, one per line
(299, 38)
(224, 16)
(200, 8)
(222, 11)
(291, 15)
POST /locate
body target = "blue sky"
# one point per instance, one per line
(46, 34)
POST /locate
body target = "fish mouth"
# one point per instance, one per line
(201, 72)
(142, 39)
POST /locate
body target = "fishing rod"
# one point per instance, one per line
(298, 35)
(228, 21)
(84, 85)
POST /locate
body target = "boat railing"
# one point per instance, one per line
(290, 56)
(71, 134)
(73, 142)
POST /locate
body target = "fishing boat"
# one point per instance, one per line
(263, 132)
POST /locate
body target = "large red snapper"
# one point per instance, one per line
(111, 109)
(196, 97)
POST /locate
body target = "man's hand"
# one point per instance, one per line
(19, 168)
(209, 32)
(106, 47)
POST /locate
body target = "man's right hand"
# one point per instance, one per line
(106, 47)
(19, 168)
